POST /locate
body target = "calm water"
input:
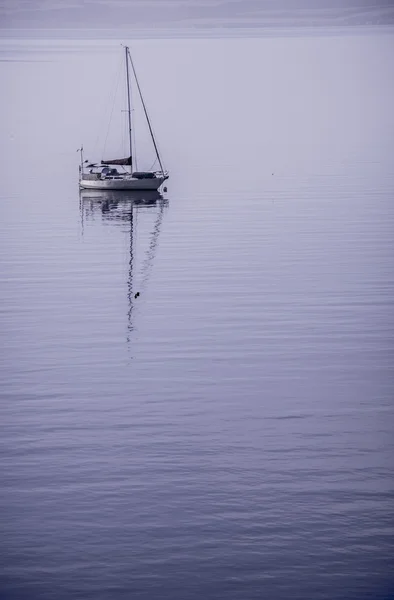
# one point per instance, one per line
(229, 433)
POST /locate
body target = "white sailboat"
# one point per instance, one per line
(106, 175)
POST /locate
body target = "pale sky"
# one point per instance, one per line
(189, 13)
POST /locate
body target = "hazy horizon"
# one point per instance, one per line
(161, 14)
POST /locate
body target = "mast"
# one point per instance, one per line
(144, 107)
(129, 107)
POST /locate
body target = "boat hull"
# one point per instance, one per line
(122, 184)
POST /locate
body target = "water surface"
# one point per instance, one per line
(229, 433)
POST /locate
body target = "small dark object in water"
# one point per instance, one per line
(164, 189)
(136, 295)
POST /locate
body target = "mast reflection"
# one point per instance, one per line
(116, 206)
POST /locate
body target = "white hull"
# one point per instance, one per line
(122, 184)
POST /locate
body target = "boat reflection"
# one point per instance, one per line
(124, 206)
(117, 204)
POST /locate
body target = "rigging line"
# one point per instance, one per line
(115, 79)
(122, 148)
(153, 164)
(123, 141)
(132, 120)
(112, 111)
(129, 109)
(106, 108)
(135, 148)
(145, 110)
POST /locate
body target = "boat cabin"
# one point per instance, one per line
(102, 172)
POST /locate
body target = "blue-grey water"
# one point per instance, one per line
(229, 433)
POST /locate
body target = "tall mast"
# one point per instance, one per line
(145, 111)
(129, 107)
